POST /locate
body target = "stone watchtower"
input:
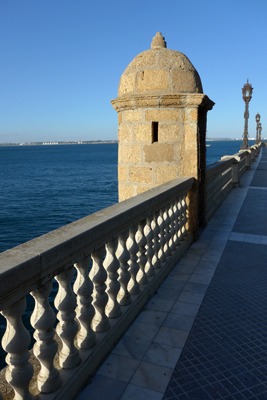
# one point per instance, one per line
(162, 121)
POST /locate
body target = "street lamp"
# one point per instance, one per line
(247, 94)
(257, 118)
(260, 128)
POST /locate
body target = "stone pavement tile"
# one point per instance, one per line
(252, 218)
(181, 308)
(182, 268)
(134, 392)
(103, 388)
(132, 347)
(142, 331)
(205, 270)
(207, 263)
(160, 354)
(221, 235)
(151, 376)
(119, 368)
(199, 245)
(173, 282)
(208, 234)
(259, 179)
(238, 237)
(190, 260)
(263, 239)
(218, 243)
(252, 238)
(169, 293)
(198, 251)
(200, 278)
(214, 250)
(190, 297)
(179, 322)
(157, 303)
(227, 225)
(258, 187)
(171, 337)
(177, 275)
(195, 287)
(153, 317)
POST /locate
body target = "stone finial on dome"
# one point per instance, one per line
(158, 41)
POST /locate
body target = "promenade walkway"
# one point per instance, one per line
(204, 333)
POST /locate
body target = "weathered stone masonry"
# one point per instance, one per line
(162, 120)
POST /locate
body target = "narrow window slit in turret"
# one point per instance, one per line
(155, 132)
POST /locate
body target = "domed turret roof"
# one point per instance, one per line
(160, 70)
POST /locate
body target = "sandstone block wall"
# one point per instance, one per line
(145, 162)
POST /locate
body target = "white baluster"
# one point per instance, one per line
(142, 259)
(156, 230)
(167, 234)
(45, 348)
(149, 268)
(176, 223)
(85, 311)
(98, 276)
(15, 342)
(123, 256)
(65, 302)
(180, 220)
(173, 230)
(133, 248)
(162, 255)
(184, 218)
(111, 265)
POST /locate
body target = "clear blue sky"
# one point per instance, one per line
(61, 61)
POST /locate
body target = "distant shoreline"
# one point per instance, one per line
(220, 139)
(59, 143)
(100, 142)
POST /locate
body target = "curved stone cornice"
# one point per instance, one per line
(176, 100)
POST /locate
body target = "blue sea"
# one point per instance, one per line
(45, 187)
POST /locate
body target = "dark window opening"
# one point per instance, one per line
(155, 132)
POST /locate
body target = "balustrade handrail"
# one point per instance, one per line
(218, 166)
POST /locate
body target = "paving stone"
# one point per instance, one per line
(226, 349)
(252, 218)
(103, 388)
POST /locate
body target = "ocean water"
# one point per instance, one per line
(217, 149)
(45, 187)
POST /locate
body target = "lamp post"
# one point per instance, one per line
(247, 95)
(260, 128)
(258, 117)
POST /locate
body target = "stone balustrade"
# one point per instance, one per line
(225, 174)
(101, 271)
(90, 279)
(218, 184)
